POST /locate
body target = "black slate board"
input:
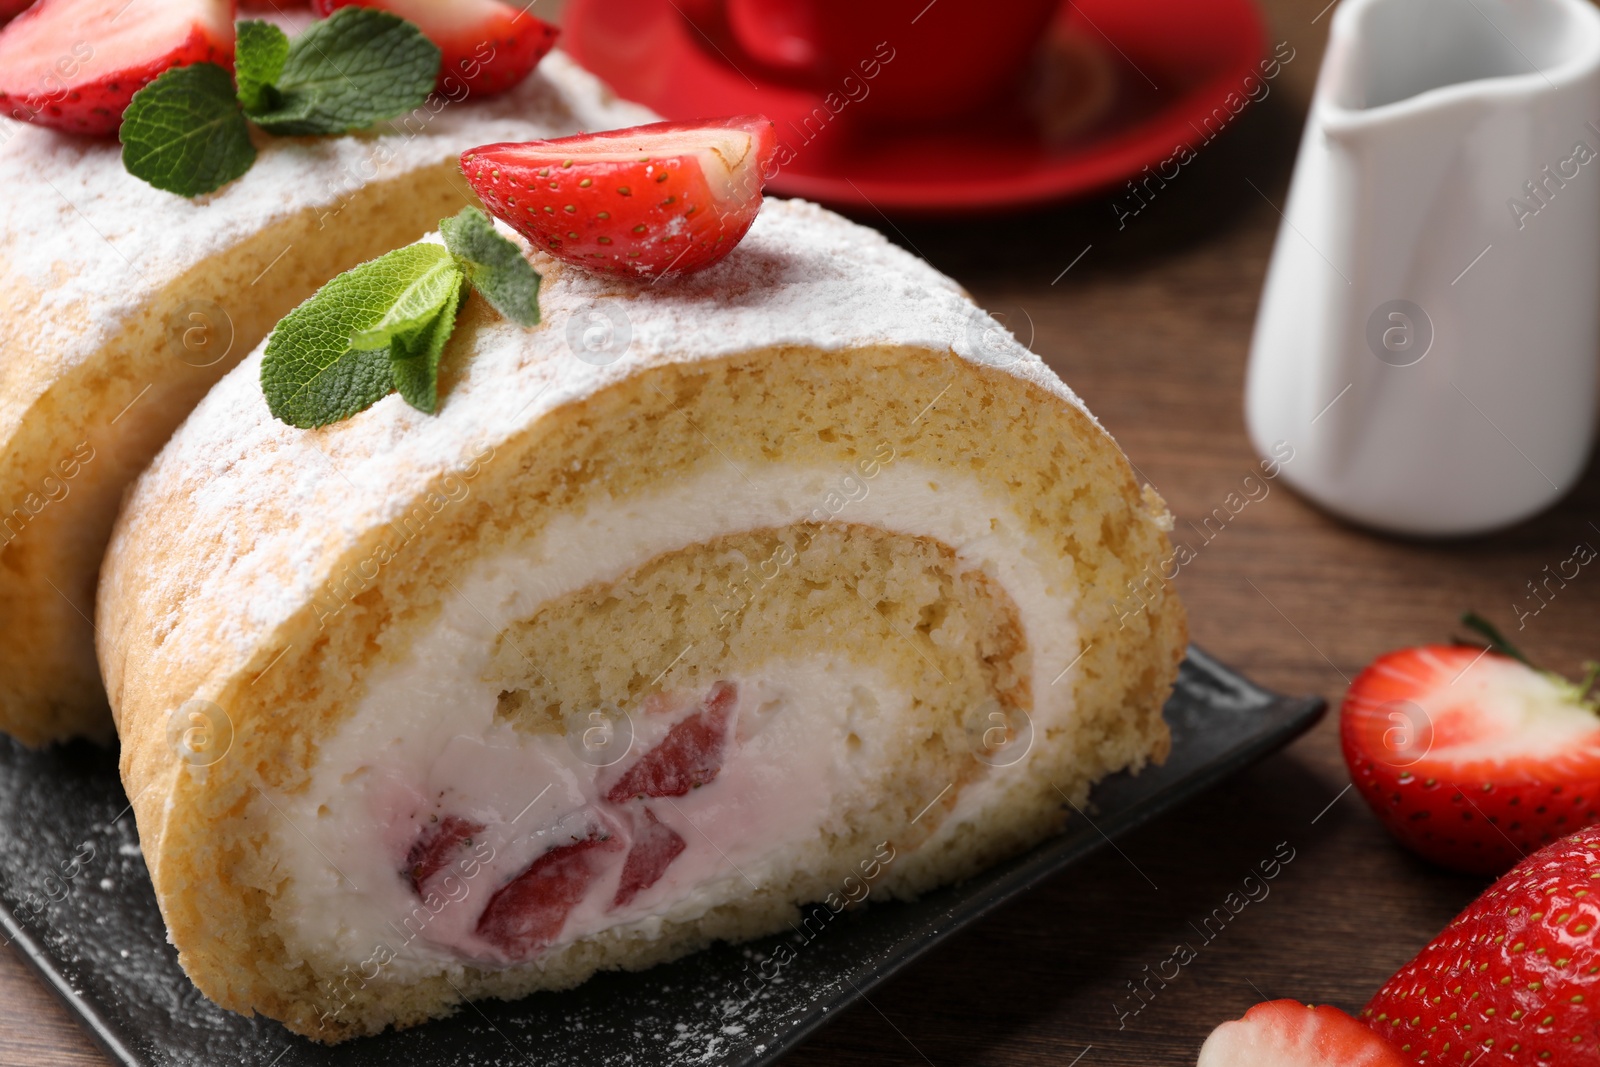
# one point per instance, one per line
(76, 901)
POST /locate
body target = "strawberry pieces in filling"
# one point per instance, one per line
(527, 913)
(689, 757)
(654, 848)
(438, 847)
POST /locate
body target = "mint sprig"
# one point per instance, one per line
(357, 67)
(494, 266)
(417, 302)
(314, 371)
(260, 51)
(383, 326)
(186, 132)
(414, 358)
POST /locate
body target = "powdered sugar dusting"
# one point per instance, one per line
(100, 243)
(802, 276)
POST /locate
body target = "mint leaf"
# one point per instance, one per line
(348, 71)
(313, 374)
(414, 358)
(415, 308)
(259, 54)
(184, 132)
(495, 266)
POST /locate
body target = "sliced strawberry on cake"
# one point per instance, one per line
(487, 46)
(75, 64)
(1286, 1033)
(1515, 978)
(1471, 757)
(668, 198)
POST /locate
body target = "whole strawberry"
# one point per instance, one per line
(1515, 978)
(668, 198)
(1472, 758)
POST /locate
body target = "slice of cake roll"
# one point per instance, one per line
(687, 605)
(120, 305)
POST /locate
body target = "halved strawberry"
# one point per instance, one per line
(654, 848)
(1286, 1033)
(1472, 759)
(1515, 978)
(488, 47)
(75, 64)
(668, 198)
(689, 757)
(527, 913)
(439, 845)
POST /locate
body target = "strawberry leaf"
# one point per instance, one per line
(184, 132)
(1492, 635)
(494, 265)
(316, 372)
(259, 55)
(348, 71)
(1591, 674)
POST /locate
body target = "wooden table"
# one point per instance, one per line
(1151, 326)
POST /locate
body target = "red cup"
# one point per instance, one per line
(896, 60)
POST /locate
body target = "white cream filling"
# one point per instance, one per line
(424, 738)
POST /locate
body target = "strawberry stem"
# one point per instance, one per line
(1497, 640)
(1593, 675)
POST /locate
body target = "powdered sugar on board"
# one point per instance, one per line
(100, 243)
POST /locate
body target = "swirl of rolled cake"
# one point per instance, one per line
(689, 605)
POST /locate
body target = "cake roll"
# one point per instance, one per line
(120, 305)
(700, 598)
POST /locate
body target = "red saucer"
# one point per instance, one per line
(1121, 85)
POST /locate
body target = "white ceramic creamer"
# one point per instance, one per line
(1429, 333)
